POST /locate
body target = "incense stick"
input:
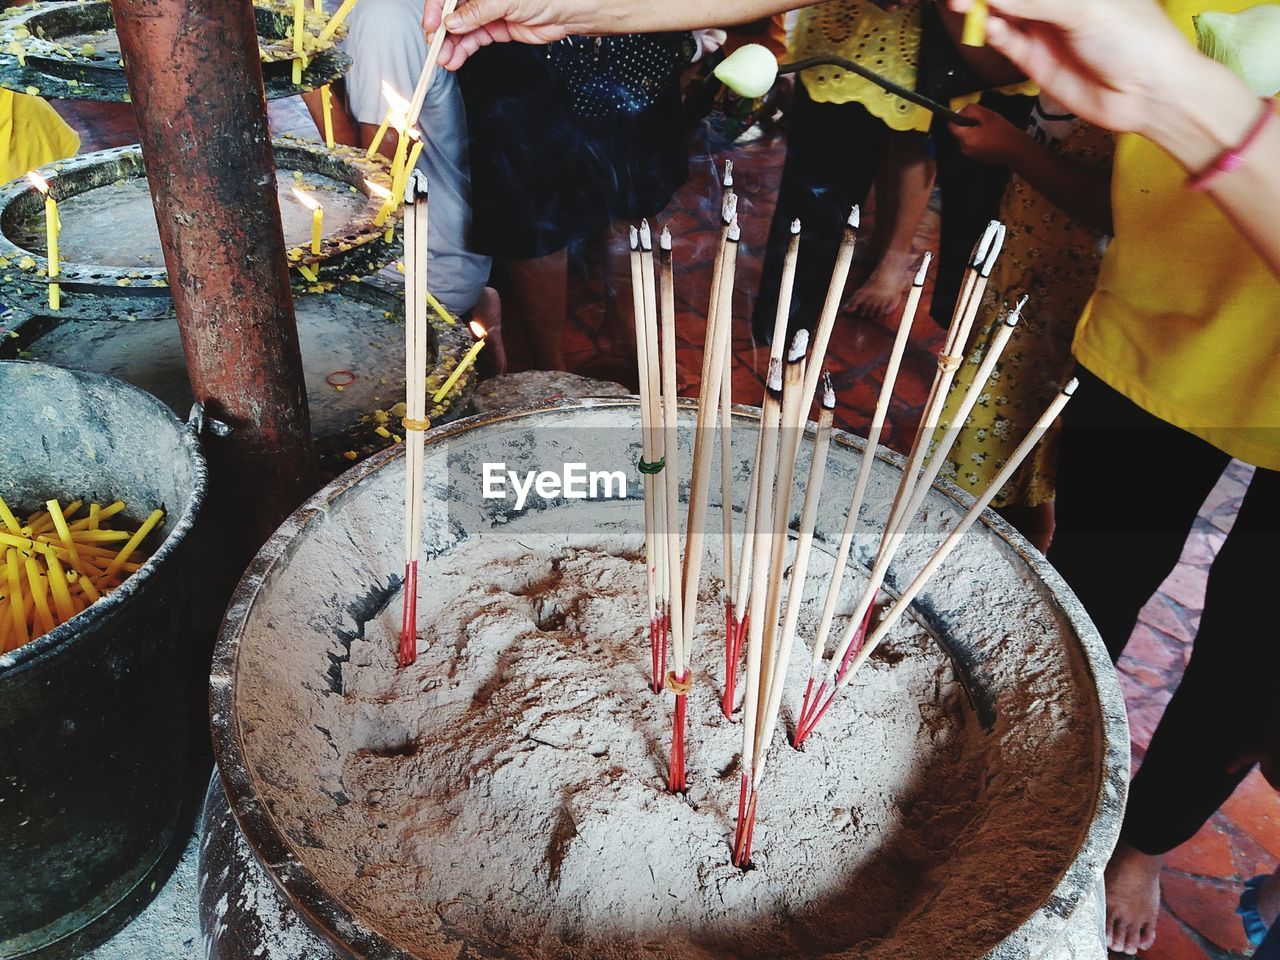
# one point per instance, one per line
(708, 401)
(726, 464)
(673, 620)
(831, 306)
(791, 421)
(770, 415)
(646, 465)
(864, 477)
(799, 573)
(657, 456)
(742, 601)
(429, 68)
(415, 419)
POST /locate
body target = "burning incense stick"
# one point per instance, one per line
(673, 620)
(708, 401)
(770, 416)
(831, 307)
(657, 442)
(799, 573)
(648, 465)
(864, 477)
(415, 421)
(791, 419)
(742, 602)
(1023, 450)
(726, 465)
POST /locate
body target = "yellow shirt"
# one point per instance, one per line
(1185, 321)
(31, 135)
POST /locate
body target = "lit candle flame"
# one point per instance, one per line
(308, 201)
(39, 182)
(399, 111)
(477, 330)
(377, 190)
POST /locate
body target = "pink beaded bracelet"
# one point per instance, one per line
(1233, 157)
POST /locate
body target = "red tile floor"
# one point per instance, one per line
(1204, 877)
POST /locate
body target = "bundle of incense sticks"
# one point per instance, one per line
(922, 469)
(415, 420)
(672, 581)
(652, 461)
(55, 566)
(821, 338)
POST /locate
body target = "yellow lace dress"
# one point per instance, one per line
(1054, 261)
(887, 42)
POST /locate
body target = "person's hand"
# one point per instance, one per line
(993, 140)
(478, 23)
(1111, 62)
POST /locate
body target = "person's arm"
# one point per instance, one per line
(1123, 65)
(478, 23)
(1081, 193)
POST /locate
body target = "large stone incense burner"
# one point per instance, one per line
(504, 797)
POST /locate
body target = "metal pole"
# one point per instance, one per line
(196, 83)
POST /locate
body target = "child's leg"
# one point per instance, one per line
(902, 196)
(833, 152)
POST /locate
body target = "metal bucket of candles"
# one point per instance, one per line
(504, 796)
(98, 743)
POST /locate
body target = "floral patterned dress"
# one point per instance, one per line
(1054, 261)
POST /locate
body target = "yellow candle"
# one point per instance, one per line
(318, 6)
(134, 542)
(467, 360)
(17, 602)
(317, 217)
(40, 595)
(51, 227)
(975, 25)
(379, 136)
(299, 24)
(397, 163)
(60, 524)
(6, 515)
(60, 589)
(383, 194)
(326, 100)
(332, 26)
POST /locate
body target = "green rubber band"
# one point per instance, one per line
(652, 468)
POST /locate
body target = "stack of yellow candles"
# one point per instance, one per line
(58, 563)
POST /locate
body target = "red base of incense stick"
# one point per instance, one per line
(746, 829)
(736, 633)
(730, 660)
(676, 781)
(408, 653)
(856, 646)
(659, 629)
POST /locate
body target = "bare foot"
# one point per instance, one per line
(1133, 899)
(1269, 900)
(880, 295)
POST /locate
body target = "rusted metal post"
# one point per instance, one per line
(196, 83)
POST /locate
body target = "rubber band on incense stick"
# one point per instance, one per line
(677, 686)
(409, 423)
(652, 469)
